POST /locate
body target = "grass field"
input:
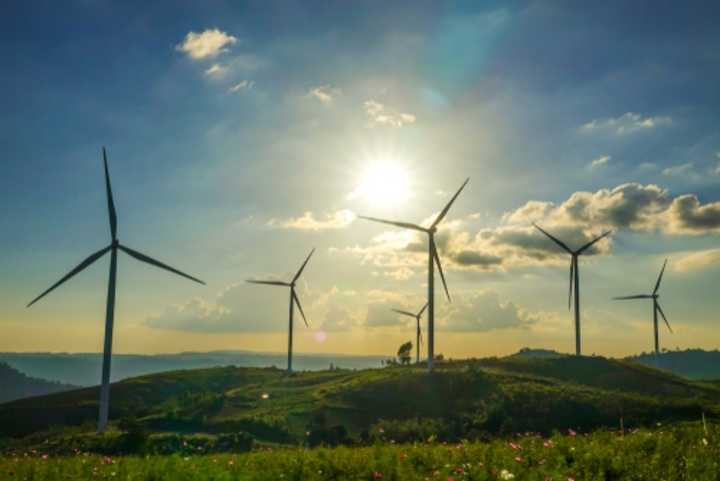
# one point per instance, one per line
(680, 452)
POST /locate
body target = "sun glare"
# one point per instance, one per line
(383, 184)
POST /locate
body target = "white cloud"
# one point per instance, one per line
(216, 70)
(627, 123)
(601, 161)
(484, 311)
(242, 86)
(325, 94)
(379, 114)
(698, 260)
(679, 170)
(207, 44)
(336, 220)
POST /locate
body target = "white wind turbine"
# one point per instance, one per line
(574, 277)
(110, 307)
(293, 301)
(656, 307)
(418, 334)
(433, 258)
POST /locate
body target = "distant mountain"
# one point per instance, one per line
(691, 363)
(16, 385)
(461, 398)
(83, 369)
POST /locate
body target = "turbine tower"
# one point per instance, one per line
(418, 335)
(656, 307)
(433, 258)
(110, 309)
(574, 277)
(293, 301)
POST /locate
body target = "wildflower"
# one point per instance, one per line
(547, 444)
(519, 459)
(450, 478)
(572, 433)
(265, 396)
(516, 447)
(231, 462)
(705, 441)
(505, 474)
(44, 456)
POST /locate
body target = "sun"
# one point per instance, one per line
(383, 183)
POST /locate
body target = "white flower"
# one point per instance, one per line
(505, 474)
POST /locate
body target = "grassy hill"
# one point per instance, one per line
(16, 385)
(690, 363)
(472, 398)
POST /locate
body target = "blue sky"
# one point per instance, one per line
(241, 135)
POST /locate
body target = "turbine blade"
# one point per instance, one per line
(592, 242)
(92, 258)
(657, 304)
(437, 261)
(303, 266)
(572, 274)
(419, 314)
(659, 279)
(270, 283)
(639, 296)
(404, 225)
(149, 260)
(554, 239)
(111, 203)
(444, 212)
(405, 313)
(297, 302)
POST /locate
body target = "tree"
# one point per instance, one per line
(403, 353)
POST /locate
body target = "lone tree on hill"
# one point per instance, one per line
(403, 353)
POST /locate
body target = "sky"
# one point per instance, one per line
(241, 135)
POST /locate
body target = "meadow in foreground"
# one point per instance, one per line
(683, 452)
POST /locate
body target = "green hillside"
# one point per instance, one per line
(471, 398)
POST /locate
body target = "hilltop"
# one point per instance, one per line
(16, 385)
(467, 398)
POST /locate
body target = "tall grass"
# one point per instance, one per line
(682, 452)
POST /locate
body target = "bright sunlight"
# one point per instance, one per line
(383, 184)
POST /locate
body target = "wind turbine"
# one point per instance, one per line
(110, 308)
(574, 277)
(293, 301)
(418, 337)
(656, 307)
(433, 258)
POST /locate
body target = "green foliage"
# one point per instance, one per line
(403, 353)
(679, 453)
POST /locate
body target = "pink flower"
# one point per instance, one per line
(377, 475)
(519, 459)
(548, 444)
(516, 447)
(571, 432)
(44, 456)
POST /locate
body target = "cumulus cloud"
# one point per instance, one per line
(627, 123)
(242, 86)
(483, 311)
(600, 162)
(687, 215)
(516, 243)
(336, 220)
(698, 260)
(380, 114)
(325, 94)
(207, 44)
